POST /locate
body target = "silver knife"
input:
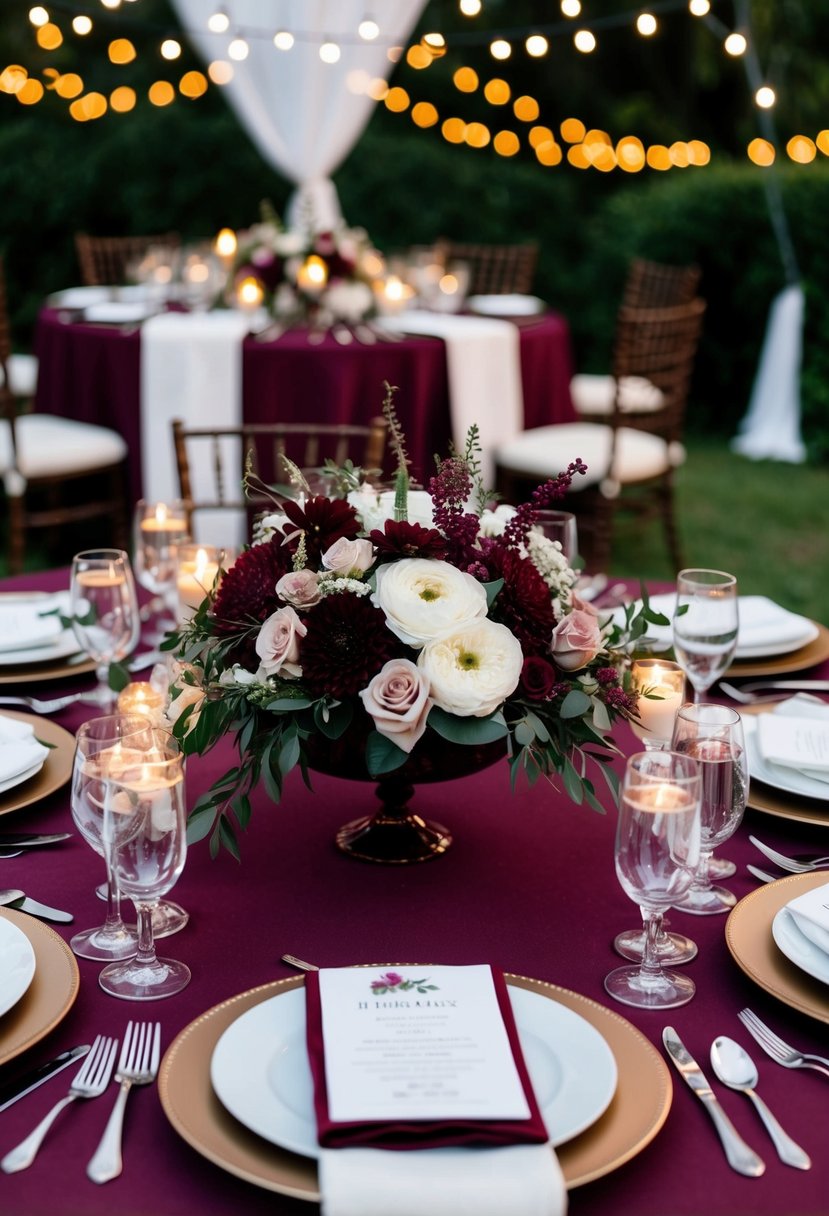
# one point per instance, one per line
(29, 840)
(17, 899)
(740, 1156)
(9, 1094)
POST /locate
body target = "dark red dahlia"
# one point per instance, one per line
(523, 604)
(247, 593)
(399, 538)
(324, 521)
(346, 644)
(538, 678)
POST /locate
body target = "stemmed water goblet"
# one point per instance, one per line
(104, 610)
(158, 530)
(657, 852)
(90, 790)
(144, 833)
(705, 627)
(713, 735)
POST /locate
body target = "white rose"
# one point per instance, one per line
(474, 669)
(374, 509)
(398, 700)
(425, 599)
(277, 644)
(493, 523)
(349, 557)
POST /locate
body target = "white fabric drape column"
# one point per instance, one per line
(303, 115)
(770, 429)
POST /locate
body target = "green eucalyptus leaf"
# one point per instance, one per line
(492, 590)
(119, 676)
(468, 731)
(383, 756)
(575, 704)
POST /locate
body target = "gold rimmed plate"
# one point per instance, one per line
(56, 770)
(58, 669)
(634, 1117)
(814, 652)
(748, 934)
(50, 995)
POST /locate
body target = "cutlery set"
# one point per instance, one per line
(734, 1067)
(137, 1065)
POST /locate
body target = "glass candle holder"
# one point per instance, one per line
(197, 569)
(661, 688)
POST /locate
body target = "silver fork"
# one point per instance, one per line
(789, 863)
(750, 694)
(44, 707)
(777, 1048)
(90, 1082)
(138, 1065)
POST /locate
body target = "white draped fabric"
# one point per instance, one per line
(303, 115)
(771, 428)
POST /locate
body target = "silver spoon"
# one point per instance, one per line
(735, 1068)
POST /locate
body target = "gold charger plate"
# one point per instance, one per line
(50, 995)
(30, 673)
(57, 767)
(637, 1112)
(748, 936)
(816, 651)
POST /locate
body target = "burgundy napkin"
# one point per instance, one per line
(419, 1133)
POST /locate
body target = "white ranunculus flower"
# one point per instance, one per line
(472, 670)
(493, 523)
(424, 599)
(351, 301)
(374, 509)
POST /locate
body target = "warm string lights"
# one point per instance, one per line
(591, 149)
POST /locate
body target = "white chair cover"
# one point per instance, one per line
(771, 428)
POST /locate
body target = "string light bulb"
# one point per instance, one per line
(38, 15)
(170, 49)
(500, 49)
(570, 8)
(699, 8)
(646, 24)
(238, 49)
(329, 52)
(470, 8)
(368, 29)
(283, 40)
(82, 25)
(537, 45)
(765, 97)
(735, 44)
(584, 41)
(219, 22)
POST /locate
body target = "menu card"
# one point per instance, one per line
(800, 743)
(416, 1057)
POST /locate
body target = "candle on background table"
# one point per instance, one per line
(141, 698)
(666, 681)
(164, 519)
(249, 294)
(198, 566)
(224, 247)
(312, 275)
(393, 295)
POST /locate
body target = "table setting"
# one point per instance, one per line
(267, 1090)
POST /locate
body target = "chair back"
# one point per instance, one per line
(657, 345)
(104, 260)
(212, 462)
(494, 269)
(8, 404)
(657, 285)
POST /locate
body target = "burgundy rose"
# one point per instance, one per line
(538, 678)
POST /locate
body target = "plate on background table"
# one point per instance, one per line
(814, 652)
(749, 937)
(509, 305)
(56, 770)
(260, 1069)
(639, 1108)
(50, 995)
(17, 964)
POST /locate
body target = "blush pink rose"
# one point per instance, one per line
(349, 557)
(398, 700)
(278, 643)
(576, 640)
(299, 588)
(580, 605)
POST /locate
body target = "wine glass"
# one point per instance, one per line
(158, 529)
(559, 526)
(96, 738)
(144, 831)
(713, 735)
(104, 610)
(657, 852)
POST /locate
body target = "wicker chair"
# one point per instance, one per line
(211, 463)
(55, 471)
(657, 285)
(104, 259)
(494, 269)
(632, 454)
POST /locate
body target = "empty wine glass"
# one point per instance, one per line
(144, 830)
(158, 530)
(101, 736)
(705, 625)
(559, 526)
(104, 610)
(713, 735)
(657, 852)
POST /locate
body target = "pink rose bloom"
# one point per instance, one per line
(576, 640)
(580, 605)
(278, 643)
(398, 700)
(349, 557)
(300, 588)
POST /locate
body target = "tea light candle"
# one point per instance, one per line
(141, 698)
(224, 247)
(661, 798)
(393, 295)
(198, 566)
(663, 680)
(312, 275)
(249, 294)
(163, 519)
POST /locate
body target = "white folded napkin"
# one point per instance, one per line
(811, 915)
(508, 305)
(796, 780)
(763, 625)
(19, 749)
(483, 361)
(119, 312)
(23, 625)
(523, 1178)
(798, 743)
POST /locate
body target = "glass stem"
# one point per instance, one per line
(650, 958)
(113, 916)
(701, 876)
(105, 693)
(146, 946)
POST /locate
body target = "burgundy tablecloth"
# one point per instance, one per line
(91, 372)
(528, 885)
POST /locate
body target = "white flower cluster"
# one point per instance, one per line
(549, 560)
(330, 583)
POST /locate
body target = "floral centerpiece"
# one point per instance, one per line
(307, 275)
(398, 616)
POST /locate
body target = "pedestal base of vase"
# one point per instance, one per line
(394, 835)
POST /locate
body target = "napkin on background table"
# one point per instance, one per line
(19, 749)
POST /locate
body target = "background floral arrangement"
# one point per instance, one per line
(400, 613)
(344, 260)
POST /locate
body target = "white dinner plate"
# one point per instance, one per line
(17, 964)
(797, 948)
(509, 305)
(64, 644)
(777, 775)
(31, 771)
(260, 1071)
